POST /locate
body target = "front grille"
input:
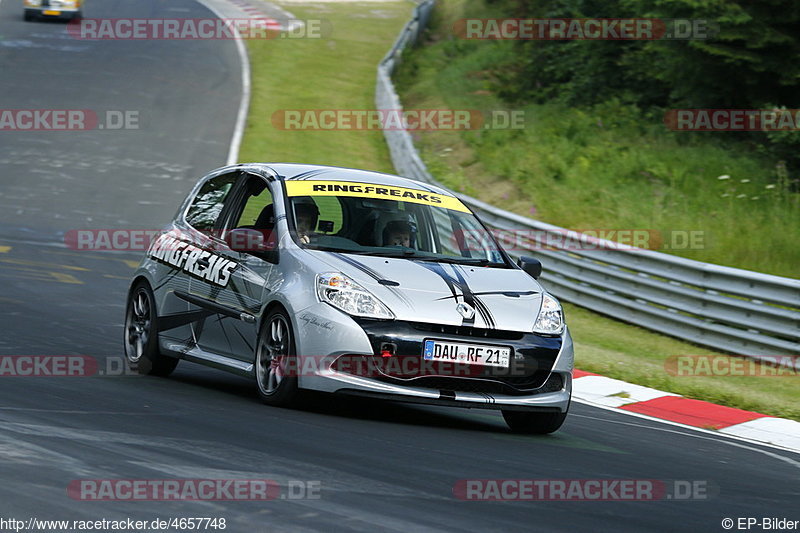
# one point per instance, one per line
(532, 359)
(467, 331)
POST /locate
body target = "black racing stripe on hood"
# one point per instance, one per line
(374, 275)
(452, 284)
(469, 297)
(481, 305)
(359, 265)
(439, 271)
(476, 302)
(486, 314)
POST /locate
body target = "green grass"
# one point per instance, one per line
(610, 166)
(318, 74)
(334, 72)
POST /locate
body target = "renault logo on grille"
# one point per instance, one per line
(465, 310)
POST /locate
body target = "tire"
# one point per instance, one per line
(29, 16)
(141, 334)
(275, 366)
(533, 423)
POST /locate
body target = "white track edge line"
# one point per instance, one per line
(244, 103)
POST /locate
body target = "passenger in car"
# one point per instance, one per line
(307, 214)
(397, 233)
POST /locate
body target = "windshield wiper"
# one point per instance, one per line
(389, 253)
(480, 261)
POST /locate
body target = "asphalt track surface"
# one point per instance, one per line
(380, 466)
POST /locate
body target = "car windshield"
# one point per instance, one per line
(389, 221)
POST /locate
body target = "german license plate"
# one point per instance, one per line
(470, 354)
(54, 13)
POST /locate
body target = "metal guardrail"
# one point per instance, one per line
(728, 309)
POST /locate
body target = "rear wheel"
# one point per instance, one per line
(276, 361)
(531, 422)
(141, 334)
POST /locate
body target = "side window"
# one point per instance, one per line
(258, 212)
(209, 201)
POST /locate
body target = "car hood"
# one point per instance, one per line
(426, 291)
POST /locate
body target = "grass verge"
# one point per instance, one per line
(340, 73)
(333, 72)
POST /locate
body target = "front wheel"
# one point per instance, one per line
(276, 368)
(141, 334)
(29, 16)
(533, 423)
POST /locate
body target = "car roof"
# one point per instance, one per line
(298, 172)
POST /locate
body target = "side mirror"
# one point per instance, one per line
(530, 265)
(253, 241)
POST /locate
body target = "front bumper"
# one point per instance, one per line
(50, 12)
(546, 402)
(539, 378)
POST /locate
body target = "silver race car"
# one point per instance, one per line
(354, 282)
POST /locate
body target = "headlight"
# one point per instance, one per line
(33, 3)
(551, 318)
(346, 295)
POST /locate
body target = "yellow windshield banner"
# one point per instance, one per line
(369, 190)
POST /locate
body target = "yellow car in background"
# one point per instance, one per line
(61, 9)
